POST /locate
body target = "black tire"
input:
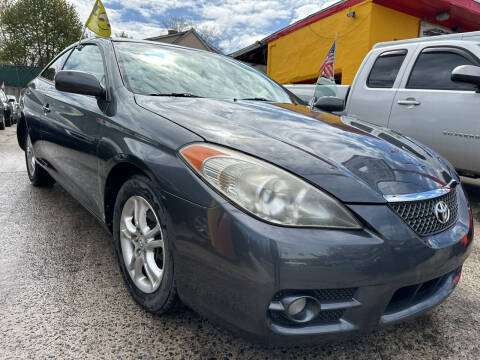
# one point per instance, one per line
(164, 299)
(8, 121)
(2, 123)
(38, 176)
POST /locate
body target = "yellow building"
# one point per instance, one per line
(294, 54)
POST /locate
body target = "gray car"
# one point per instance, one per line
(5, 111)
(14, 108)
(224, 191)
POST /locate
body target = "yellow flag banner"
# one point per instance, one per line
(98, 20)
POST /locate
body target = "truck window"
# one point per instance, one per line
(386, 68)
(434, 67)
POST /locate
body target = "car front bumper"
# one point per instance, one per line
(232, 268)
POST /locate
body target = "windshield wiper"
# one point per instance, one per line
(176, 95)
(254, 98)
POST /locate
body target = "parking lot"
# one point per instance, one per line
(62, 295)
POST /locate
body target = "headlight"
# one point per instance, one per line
(266, 191)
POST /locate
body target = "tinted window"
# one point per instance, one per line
(157, 69)
(87, 59)
(385, 70)
(433, 70)
(53, 68)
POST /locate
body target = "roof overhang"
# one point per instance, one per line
(463, 14)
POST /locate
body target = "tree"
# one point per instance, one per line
(122, 34)
(34, 31)
(208, 33)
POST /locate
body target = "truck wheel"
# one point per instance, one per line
(2, 122)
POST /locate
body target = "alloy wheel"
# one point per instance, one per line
(142, 244)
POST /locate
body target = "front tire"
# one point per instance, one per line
(38, 176)
(2, 122)
(142, 245)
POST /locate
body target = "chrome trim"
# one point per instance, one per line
(432, 194)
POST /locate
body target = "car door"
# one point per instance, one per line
(374, 88)
(438, 112)
(32, 102)
(73, 130)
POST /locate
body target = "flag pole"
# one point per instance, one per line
(81, 37)
(335, 57)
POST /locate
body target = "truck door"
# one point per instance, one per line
(438, 112)
(375, 85)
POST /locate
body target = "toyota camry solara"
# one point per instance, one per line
(223, 191)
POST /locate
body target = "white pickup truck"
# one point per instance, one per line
(426, 88)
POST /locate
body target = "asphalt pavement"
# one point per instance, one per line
(62, 295)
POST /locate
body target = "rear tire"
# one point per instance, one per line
(8, 121)
(2, 122)
(38, 176)
(143, 247)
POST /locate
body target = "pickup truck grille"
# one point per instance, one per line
(420, 215)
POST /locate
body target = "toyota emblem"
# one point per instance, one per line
(442, 212)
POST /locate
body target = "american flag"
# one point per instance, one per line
(327, 68)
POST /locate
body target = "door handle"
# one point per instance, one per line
(46, 108)
(409, 102)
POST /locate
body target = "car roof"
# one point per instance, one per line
(402, 45)
(469, 36)
(139, 41)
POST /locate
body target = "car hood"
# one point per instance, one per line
(355, 161)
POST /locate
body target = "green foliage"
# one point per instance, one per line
(208, 33)
(34, 31)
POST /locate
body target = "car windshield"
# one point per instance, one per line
(150, 69)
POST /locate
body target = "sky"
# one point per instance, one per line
(242, 22)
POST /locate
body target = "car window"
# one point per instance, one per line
(386, 68)
(50, 72)
(433, 70)
(158, 69)
(88, 59)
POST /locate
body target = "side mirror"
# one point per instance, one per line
(467, 73)
(78, 82)
(330, 104)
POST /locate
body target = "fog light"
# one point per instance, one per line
(297, 306)
(300, 309)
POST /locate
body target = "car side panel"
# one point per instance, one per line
(445, 120)
(125, 139)
(372, 104)
(70, 143)
(34, 116)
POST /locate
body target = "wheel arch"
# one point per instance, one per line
(21, 132)
(119, 173)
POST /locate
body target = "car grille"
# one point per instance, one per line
(420, 215)
(343, 294)
(334, 294)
